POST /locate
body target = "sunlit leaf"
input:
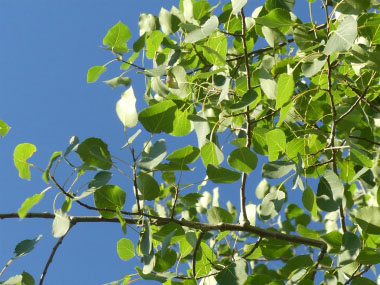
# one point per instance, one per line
(125, 249)
(21, 154)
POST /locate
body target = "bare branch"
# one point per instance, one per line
(54, 250)
(197, 245)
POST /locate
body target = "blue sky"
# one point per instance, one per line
(47, 48)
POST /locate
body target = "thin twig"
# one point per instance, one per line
(54, 250)
(257, 244)
(197, 245)
(353, 274)
(334, 116)
(175, 201)
(364, 139)
(135, 180)
(247, 117)
(320, 257)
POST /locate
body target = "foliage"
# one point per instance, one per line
(306, 105)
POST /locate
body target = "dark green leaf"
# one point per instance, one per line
(243, 160)
(184, 155)
(218, 174)
(368, 219)
(276, 18)
(159, 117)
(234, 274)
(94, 152)
(109, 197)
(351, 245)
(26, 246)
(147, 186)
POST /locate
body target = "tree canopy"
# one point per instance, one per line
(302, 113)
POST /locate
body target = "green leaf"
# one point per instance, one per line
(276, 18)
(295, 263)
(146, 240)
(94, 73)
(369, 256)
(243, 160)
(119, 81)
(184, 155)
(368, 219)
(159, 117)
(61, 224)
(166, 243)
(267, 84)
(29, 203)
(169, 22)
(153, 155)
(100, 179)
(215, 50)
(179, 86)
(147, 186)
(309, 201)
(151, 276)
(204, 31)
(235, 273)
(333, 240)
(313, 66)
(4, 129)
(46, 174)
(125, 249)
(285, 89)
(237, 5)
(218, 174)
(286, 4)
(26, 246)
(211, 154)
(27, 279)
(164, 263)
(343, 37)
(181, 124)
(109, 197)
(350, 248)
(277, 169)
(247, 99)
(362, 281)
(272, 204)
(276, 141)
(304, 40)
(94, 152)
(21, 154)
(368, 25)
(325, 196)
(153, 43)
(117, 37)
(216, 215)
(359, 4)
(205, 257)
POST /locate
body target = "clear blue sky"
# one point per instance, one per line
(46, 50)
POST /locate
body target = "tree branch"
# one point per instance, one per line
(49, 261)
(247, 117)
(197, 245)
